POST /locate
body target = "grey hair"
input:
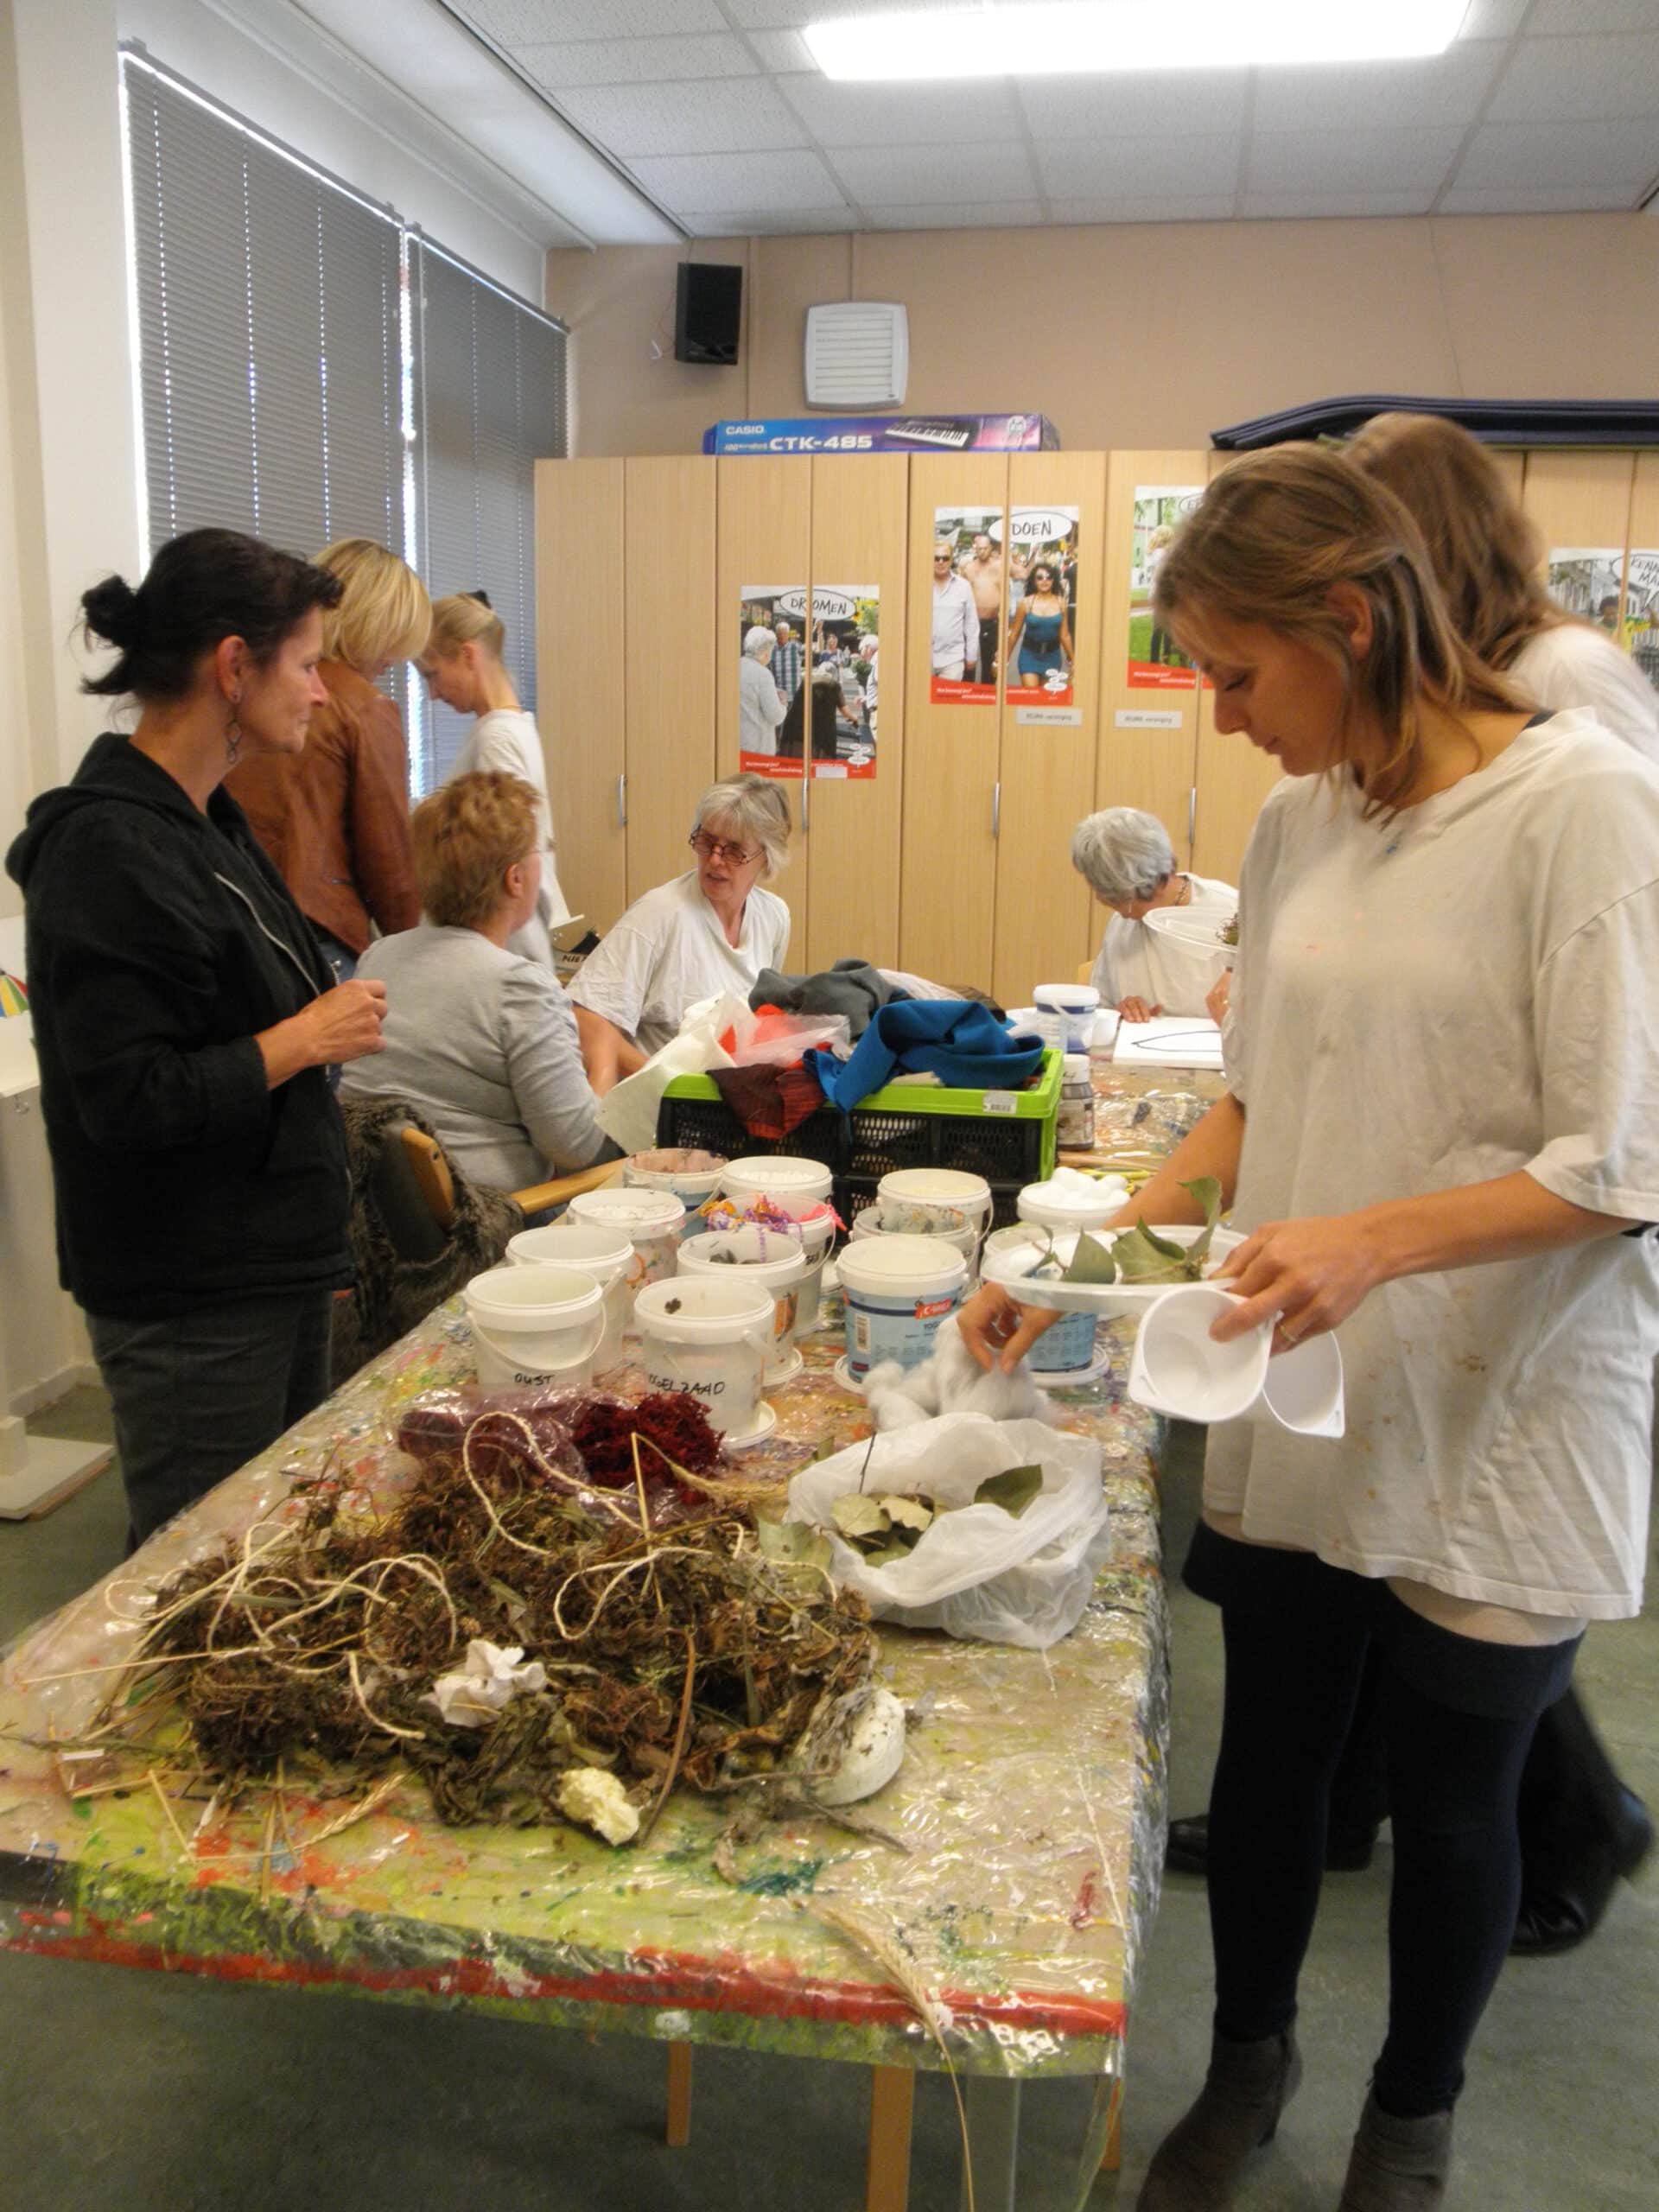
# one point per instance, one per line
(757, 808)
(1122, 853)
(758, 639)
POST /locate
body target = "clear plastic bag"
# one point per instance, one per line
(978, 1571)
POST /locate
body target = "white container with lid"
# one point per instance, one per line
(922, 1201)
(591, 1248)
(650, 1220)
(869, 1224)
(897, 1290)
(691, 1175)
(1072, 1200)
(779, 1261)
(1066, 1014)
(711, 1338)
(535, 1324)
(794, 1185)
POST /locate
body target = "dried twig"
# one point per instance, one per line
(675, 1756)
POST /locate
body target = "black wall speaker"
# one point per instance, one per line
(708, 310)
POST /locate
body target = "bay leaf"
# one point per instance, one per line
(857, 1515)
(1204, 1191)
(1013, 1489)
(905, 1512)
(792, 1543)
(1092, 1261)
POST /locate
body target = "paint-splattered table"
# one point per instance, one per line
(1032, 1799)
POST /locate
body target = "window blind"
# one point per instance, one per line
(491, 399)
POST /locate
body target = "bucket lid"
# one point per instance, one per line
(949, 1187)
(636, 1212)
(765, 1255)
(506, 1294)
(1065, 1206)
(774, 1172)
(923, 1264)
(582, 1244)
(1066, 998)
(704, 1309)
(675, 1159)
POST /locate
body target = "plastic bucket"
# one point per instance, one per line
(535, 1324)
(710, 1336)
(922, 1201)
(869, 1224)
(650, 1220)
(897, 1290)
(1065, 1015)
(605, 1255)
(1083, 1203)
(769, 1256)
(794, 1185)
(692, 1176)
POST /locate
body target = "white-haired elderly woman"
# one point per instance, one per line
(1127, 859)
(712, 930)
(761, 705)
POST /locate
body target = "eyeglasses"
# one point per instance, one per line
(717, 848)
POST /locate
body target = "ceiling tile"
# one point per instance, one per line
(1349, 160)
(1560, 154)
(902, 115)
(635, 61)
(1538, 199)
(1186, 102)
(1129, 208)
(1380, 95)
(1557, 18)
(525, 23)
(792, 14)
(1272, 206)
(1564, 79)
(742, 115)
(779, 180)
(1010, 214)
(765, 222)
(782, 52)
(1140, 168)
(898, 175)
(1493, 18)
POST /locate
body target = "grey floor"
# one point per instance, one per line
(137, 2091)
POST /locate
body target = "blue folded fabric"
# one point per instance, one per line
(957, 1039)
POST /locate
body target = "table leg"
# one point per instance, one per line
(993, 2107)
(887, 2184)
(1112, 2157)
(679, 2096)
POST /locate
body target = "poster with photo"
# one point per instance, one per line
(846, 679)
(1042, 604)
(1588, 580)
(1642, 611)
(770, 669)
(1156, 662)
(968, 590)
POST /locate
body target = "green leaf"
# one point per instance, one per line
(1143, 1258)
(1013, 1489)
(1204, 1191)
(792, 1543)
(1092, 1261)
(907, 1512)
(889, 1555)
(857, 1515)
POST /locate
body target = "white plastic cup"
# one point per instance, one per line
(922, 1201)
(691, 1175)
(790, 1184)
(604, 1254)
(535, 1324)
(650, 1220)
(897, 1290)
(1067, 1011)
(770, 1256)
(1179, 1369)
(710, 1336)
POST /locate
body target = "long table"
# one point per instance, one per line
(1031, 1801)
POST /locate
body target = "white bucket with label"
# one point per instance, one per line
(924, 1201)
(605, 1255)
(794, 1185)
(774, 1258)
(651, 1221)
(1065, 1015)
(535, 1324)
(897, 1290)
(691, 1175)
(711, 1336)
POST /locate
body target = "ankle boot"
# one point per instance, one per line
(1197, 2164)
(1398, 2166)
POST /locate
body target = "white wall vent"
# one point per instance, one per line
(857, 354)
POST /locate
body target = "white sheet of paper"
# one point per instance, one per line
(1169, 1040)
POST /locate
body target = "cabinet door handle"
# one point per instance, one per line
(1191, 818)
(622, 802)
(996, 811)
(806, 800)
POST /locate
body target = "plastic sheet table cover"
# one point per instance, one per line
(1031, 1798)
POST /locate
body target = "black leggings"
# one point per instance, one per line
(1294, 1668)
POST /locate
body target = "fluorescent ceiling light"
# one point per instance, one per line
(1066, 38)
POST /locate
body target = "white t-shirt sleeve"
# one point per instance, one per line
(615, 978)
(1104, 974)
(1573, 666)
(777, 934)
(1596, 1017)
(543, 1058)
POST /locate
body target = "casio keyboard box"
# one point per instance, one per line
(816, 434)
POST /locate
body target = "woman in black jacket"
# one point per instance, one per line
(185, 1022)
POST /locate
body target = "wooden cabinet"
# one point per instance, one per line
(580, 662)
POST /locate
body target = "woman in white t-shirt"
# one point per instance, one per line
(709, 931)
(1125, 859)
(1436, 1135)
(463, 668)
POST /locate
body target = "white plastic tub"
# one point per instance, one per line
(710, 1336)
(1065, 1015)
(692, 1176)
(771, 1257)
(650, 1220)
(604, 1254)
(922, 1201)
(794, 1185)
(897, 1290)
(535, 1324)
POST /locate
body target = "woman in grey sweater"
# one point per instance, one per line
(483, 1042)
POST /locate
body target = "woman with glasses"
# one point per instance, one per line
(709, 931)
(1040, 637)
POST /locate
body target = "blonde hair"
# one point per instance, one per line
(384, 613)
(461, 617)
(1272, 536)
(467, 836)
(1487, 555)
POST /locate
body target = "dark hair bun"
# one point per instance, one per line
(112, 612)
(482, 597)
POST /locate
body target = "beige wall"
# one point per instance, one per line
(1142, 334)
